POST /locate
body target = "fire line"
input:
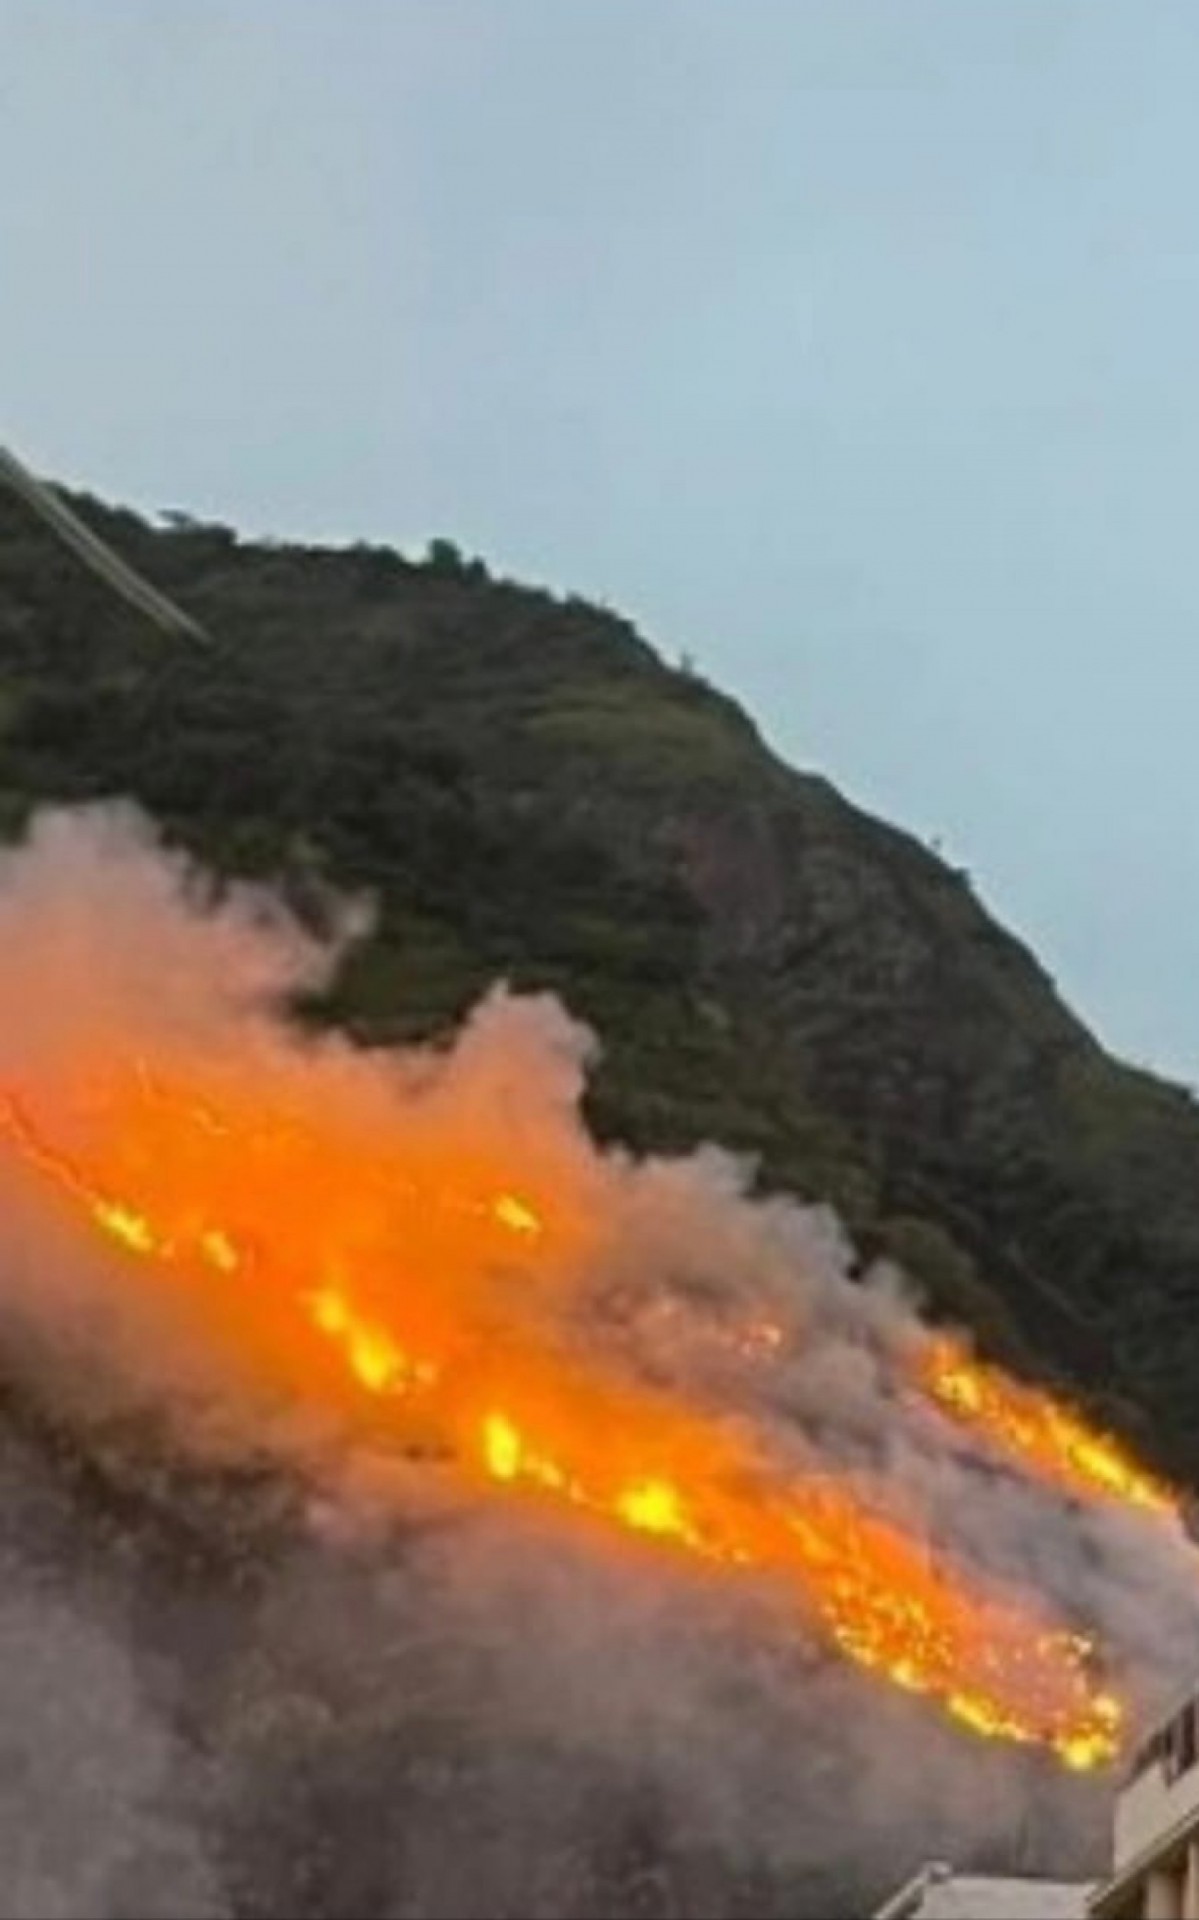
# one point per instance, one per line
(331, 1263)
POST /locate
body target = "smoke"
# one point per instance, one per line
(280, 1658)
(99, 1793)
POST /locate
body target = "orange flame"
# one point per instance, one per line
(880, 1598)
(1050, 1440)
(344, 1268)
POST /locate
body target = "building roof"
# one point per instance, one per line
(979, 1897)
(937, 1893)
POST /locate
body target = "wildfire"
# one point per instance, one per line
(882, 1600)
(1048, 1439)
(344, 1267)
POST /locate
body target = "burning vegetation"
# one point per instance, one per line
(425, 1258)
(300, 1244)
(1045, 1437)
(410, 1260)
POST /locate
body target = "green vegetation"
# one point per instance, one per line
(532, 794)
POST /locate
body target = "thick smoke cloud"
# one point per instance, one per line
(375, 1688)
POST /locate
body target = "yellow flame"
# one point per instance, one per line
(654, 1506)
(219, 1250)
(514, 1214)
(501, 1447)
(378, 1363)
(1049, 1439)
(132, 1229)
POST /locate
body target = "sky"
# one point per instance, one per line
(848, 346)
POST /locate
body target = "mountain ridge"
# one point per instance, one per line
(533, 793)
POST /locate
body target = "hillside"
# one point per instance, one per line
(533, 794)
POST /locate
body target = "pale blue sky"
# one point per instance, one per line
(850, 345)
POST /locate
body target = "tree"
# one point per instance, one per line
(445, 556)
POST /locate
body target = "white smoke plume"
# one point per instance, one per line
(399, 1693)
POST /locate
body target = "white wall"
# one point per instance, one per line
(1150, 1807)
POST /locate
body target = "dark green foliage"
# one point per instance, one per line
(533, 795)
(447, 558)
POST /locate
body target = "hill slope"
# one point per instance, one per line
(532, 793)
